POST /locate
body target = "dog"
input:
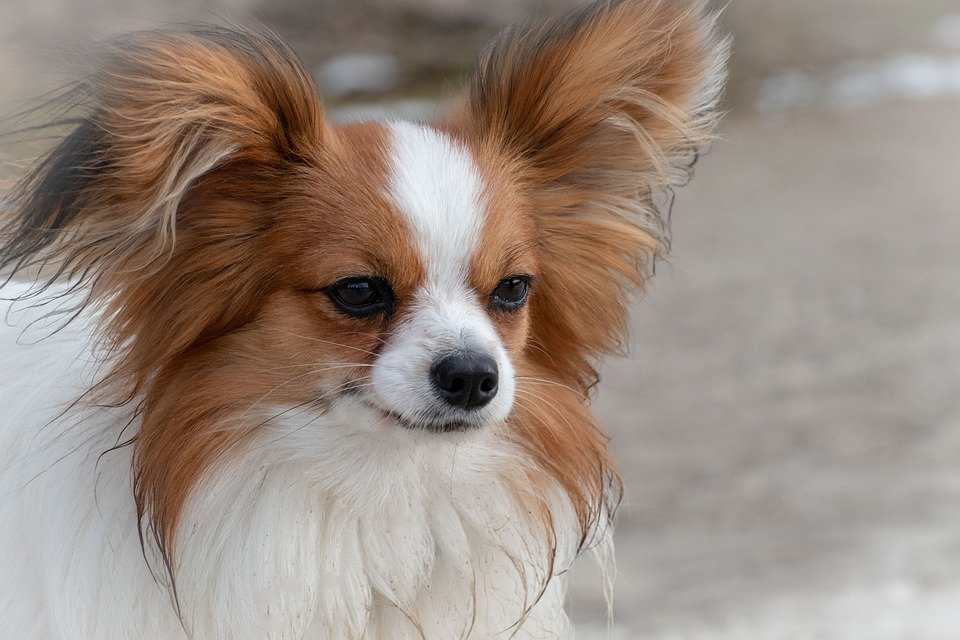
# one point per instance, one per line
(267, 376)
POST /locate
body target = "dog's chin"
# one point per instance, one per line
(436, 425)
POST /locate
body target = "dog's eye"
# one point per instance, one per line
(361, 297)
(511, 293)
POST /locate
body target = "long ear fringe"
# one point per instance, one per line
(160, 112)
(600, 110)
(648, 73)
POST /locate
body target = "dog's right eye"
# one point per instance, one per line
(361, 296)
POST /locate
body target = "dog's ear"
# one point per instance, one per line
(595, 113)
(164, 184)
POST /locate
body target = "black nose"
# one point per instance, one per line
(466, 380)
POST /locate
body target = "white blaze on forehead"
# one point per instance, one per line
(436, 184)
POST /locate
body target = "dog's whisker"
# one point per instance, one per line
(313, 365)
(290, 380)
(533, 380)
(327, 342)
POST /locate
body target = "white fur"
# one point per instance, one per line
(436, 185)
(334, 525)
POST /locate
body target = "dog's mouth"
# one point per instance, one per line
(426, 422)
(432, 425)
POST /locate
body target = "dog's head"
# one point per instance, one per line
(420, 281)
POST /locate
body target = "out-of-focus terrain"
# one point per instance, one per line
(788, 421)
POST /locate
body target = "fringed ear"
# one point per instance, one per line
(158, 196)
(597, 112)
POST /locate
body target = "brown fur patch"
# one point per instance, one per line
(507, 244)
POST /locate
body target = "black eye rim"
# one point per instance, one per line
(500, 304)
(381, 305)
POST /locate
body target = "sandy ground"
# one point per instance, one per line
(789, 422)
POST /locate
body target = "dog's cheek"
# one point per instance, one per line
(513, 330)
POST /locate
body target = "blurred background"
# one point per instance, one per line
(788, 420)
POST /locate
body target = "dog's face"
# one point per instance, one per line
(413, 259)
(251, 258)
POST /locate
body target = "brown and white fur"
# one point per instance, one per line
(198, 441)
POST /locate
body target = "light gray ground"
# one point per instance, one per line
(789, 422)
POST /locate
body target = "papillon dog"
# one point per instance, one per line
(266, 376)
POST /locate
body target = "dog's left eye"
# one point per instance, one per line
(361, 297)
(511, 293)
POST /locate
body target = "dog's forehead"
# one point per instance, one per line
(424, 208)
(435, 184)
